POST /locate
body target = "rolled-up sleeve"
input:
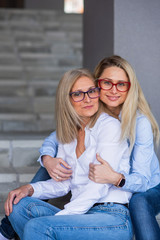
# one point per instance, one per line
(141, 158)
(49, 147)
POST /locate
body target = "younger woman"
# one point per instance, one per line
(140, 127)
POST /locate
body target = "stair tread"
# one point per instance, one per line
(36, 48)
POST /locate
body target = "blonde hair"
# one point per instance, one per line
(135, 100)
(68, 122)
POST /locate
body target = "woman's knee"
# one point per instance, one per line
(18, 209)
(138, 198)
(138, 201)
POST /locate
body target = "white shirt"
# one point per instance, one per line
(103, 138)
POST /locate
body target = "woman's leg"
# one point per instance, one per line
(41, 175)
(110, 221)
(27, 209)
(143, 209)
(6, 228)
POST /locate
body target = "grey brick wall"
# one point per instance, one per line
(36, 48)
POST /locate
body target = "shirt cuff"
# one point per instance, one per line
(40, 158)
(37, 190)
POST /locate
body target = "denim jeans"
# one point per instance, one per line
(6, 227)
(34, 219)
(143, 209)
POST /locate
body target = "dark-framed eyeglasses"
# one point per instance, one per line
(78, 96)
(106, 84)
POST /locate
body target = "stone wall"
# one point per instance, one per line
(36, 48)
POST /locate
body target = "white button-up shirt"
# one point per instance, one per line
(103, 138)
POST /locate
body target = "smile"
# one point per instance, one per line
(113, 98)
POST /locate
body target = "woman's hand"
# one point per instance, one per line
(16, 195)
(103, 173)
(57, 168)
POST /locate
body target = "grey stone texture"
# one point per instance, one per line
(36, 48)
(18, 164)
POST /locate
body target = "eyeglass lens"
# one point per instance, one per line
(79, 95)
(121, 86)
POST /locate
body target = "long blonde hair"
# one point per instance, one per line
(68, 122)
(135, 100)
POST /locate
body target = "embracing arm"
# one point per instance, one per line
(54, 166)
(141, 162)
(49, 146)
(142, 158)
(50, 188)
(103, 172)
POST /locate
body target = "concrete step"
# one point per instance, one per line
(33, 72)
(36, 48)
(19, 153)
(12, 178)
(18, 162)
(6, 47)
(31, 123)
(9, 59)
(37, 105)
(17, 88)
(23, 88)
(11, 72)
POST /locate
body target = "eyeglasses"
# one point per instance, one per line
(79, 95)
(106, 84)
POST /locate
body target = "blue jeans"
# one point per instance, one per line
(6, 227)
(143, 209)
(34, 219)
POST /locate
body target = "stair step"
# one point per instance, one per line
(11, 72)
(36, 48)
(27, 105)
(6, 48)
(15, 104)
(13, 88)
(19, 153)
(16, 175)
(11, 179)
(23, 123)
(20, 88)
(17, 116)
(45, 72)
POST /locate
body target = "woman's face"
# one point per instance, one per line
(113, 98)
(88, 106)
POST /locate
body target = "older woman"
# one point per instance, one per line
(95, 210)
